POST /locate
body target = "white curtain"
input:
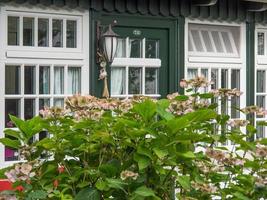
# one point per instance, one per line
(191, 73)
(45, 80)
(59, 103)
(74, 80)
(120, 48)
(59, 80)
(117, 81)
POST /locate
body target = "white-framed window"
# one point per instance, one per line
(44, 58)
(260, 76)
(135, 69)
(216, 50)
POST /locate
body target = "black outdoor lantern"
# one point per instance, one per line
(109, 44)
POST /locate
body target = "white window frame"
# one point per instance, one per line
(238, 63)
(42, 56)
(143, 63)
(260, 64)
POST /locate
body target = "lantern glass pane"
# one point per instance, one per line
(110, 46)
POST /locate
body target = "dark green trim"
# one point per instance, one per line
(180, 54)
(175, 54)
(250, 68)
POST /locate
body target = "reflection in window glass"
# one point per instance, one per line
(121, 49)
(260, 101)
(235, 101)
(28, 31)
(135, 80)
(43, 32)
(135, 48)
(58, 80)
(13, 30)
(214, 79)
(74, 80)
(44, 103)
(117, 83)
(12, 107)
(44, 80)
(59, 102)
(12, 79)
(227, 43)
(151, 81)
(260, 43)
(71, 34)
(197, 40)
(224, 78)
(191, 73)
(207, 41)
(261, 81)
(260, 132)
(29, 80)
(152, 49)
(217, 41)
(29, 108)
(57, 33)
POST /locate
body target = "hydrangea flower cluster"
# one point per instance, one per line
(128, 175)
(21, 172)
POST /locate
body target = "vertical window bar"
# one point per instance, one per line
(64, 33)
(22, 92)
(143, 68)
(37, 90)
(127, 81)
(52, 82)
(21, 31)
(35, 37)
(65, 79)
(50, 38)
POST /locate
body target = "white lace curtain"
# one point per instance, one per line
(59, 80)
(74, 80)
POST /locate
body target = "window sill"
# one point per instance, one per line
(198, 59)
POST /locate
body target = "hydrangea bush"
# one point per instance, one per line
(141, 149)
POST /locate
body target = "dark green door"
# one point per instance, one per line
(141, 65)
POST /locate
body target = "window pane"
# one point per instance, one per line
(196, 40)
(260, 43)
(260, 132)
(43, 32)
(29, 80)
(214, 78)
(12, 107)
(74, 80)
(44, 103)
(235, 101)
(135, 80)
(152, 48)
(28, 31)
(224, 78)
(117, 83)
(12, 79)
(207, 41)
(44, 80)
(260, 101)
(121, 49)
(59, 102)
(57, 33)
(135, 48)
(191, 73)
(261, 81)
(227, 43)
(71, 34)
(217, 41)
(59, 80)
(29, 108)
(151, 78)
(13, 30)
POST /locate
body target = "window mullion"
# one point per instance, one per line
(22, 92)
(143, 80)
(64, 33)
(50, 30)
(21, 31)
(37, 90)
(127, 81)
(52, 82)
(35, 32)
(65, 91)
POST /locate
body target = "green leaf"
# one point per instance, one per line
(142, 150)
(188, 154)
(162, 105)
(146, 109)
(10, 143)
(181, 98)
(142, 161)
(12, 133)
(37, 194)
(241, 196)
(102, 185)
(184, 181)
(143, 191)
(88, 194)
(161, 153)
(116, 183)
(109, 170)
